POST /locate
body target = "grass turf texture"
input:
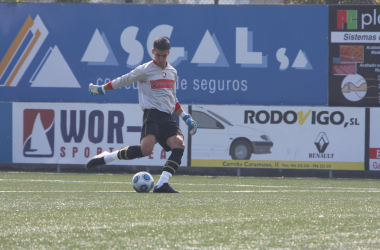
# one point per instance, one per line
(91, 211)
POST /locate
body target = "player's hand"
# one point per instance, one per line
(96, 89)
(190, 123)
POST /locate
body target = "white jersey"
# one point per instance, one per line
(157, 87)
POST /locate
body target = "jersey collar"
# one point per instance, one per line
(154, 61)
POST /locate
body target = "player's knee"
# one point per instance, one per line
(179, 143)
(181, 146)
(146, 150)
(176, 142)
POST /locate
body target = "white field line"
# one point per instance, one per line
(181, 184)
(62, 181)
(240, 191)
(277, 188)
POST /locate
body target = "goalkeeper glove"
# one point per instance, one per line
(190, 123)
(96, 89)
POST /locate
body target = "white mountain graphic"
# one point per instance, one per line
(39, 144)
(54, 71)
(99, 51)
(301, 61)
(209, 52)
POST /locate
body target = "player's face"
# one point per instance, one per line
(160, 57)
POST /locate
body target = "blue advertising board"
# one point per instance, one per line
(6, 132)
(267, 55)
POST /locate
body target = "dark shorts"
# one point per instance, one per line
(160, 124)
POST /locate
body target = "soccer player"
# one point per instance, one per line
(157, 98)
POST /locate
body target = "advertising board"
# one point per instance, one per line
(71, 133)
(267, 55)
(374, 139)
(5, 132)
(279, 137)
(354, 55)
(228, 135)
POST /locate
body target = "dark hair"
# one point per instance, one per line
(161, 43)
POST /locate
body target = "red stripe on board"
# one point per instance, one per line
(374, 153)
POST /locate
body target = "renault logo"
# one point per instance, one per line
(321, 142)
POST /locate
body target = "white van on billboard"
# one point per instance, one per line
(217, 136)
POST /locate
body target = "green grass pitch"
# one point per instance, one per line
(101, 211)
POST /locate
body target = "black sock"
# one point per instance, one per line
(130, 153)
(174, 160)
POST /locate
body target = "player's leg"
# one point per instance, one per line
(149, 133)
(127, 153)
(144, 149)
(171, 140)
(177, 144)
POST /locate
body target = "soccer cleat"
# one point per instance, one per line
(97, 160)
(165, 188)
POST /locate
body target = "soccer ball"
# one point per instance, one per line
(142, 182)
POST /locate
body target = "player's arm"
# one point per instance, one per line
(186, 118)
(125, 80)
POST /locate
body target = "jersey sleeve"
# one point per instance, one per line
(133, 76)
